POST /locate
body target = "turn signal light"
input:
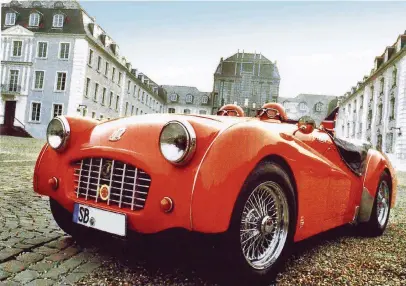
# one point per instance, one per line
(166, 205)
(53, 182)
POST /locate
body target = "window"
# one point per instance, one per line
(132, 109)
(319, 106)
(392, 108)
(111, 99)
(394, 76)
(202, 112)
(61, 81)
(96, 90)
(17, 46)
(42, 50)
(171, 110)
(119, 78)
(135, 88)
(205, 99)
(57, 110)
(99, 59)
(136, 111)
(101, 116)
(117, 102)
(113, 74)
(87, 87)
(10, 19)
(369, 119)
(186, 111)
(93, 114)
(382, 85)
(126, 108)
(128, 86)
(35, 111)
(189, 98)
(90, 59)
(103, 96)
(174, 97)
(34, 20)
(64, 51)
(39, 80)
(380, 113)
(84, 112)
(355, 107)
(13, 83)
(57, 21)
(361, 104)
(302, 106)
(106, 70)
(143, 94)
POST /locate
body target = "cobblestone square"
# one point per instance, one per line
(34, 251)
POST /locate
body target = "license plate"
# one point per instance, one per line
(100, 219)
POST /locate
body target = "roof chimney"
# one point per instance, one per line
(242, 53)
(238, 53)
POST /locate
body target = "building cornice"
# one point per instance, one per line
(376, 74)
(17, 63)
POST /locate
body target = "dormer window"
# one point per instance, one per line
(10, 19)
(174, 97)
(189, 98)
(34, 19)
(58, 21)
(205, 99)
(319, 107)
(302, 106)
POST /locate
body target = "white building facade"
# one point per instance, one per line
(375, 109)
(56, 60)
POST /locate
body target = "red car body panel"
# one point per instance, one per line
(205, 190)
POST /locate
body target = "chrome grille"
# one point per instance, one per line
(128, 185)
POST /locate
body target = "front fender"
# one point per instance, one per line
(232, 156)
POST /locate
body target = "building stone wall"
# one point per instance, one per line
(246, 79)
(375, 109)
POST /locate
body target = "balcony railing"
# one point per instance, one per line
(10, 88)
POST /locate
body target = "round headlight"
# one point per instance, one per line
(177, 142)
(58, 132)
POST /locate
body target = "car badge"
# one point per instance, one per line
(117, 134)
(104, 192)
(106, 170)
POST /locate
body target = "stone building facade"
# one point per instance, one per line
(246, 79)
(314, 105)
(375, 109)
(187, 100)
(56, 60)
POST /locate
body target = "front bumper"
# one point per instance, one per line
(166, 181)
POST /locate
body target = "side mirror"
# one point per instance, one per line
(306, 125)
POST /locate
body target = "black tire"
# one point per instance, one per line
(242, 270)
(373, 228)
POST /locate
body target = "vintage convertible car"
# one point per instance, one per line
(262, 182)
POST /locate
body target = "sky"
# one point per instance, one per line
(319, 47)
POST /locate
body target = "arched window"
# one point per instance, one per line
(34, 19)
(174, 97)
(186, 111)
(189, 98)
(58, 21)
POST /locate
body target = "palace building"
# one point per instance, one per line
(56, 60)
(375, 108)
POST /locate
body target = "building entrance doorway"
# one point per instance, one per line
(9, 113)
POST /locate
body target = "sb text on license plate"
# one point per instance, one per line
(100, 219)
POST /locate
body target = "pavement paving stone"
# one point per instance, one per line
(26, 276)
(30, 257)
(4, 274)
(43, 266)
(41, 282)
(38, 240)
(61, 243)
(73, 262)
(12, 266)
(7, 253)
(9, 283)
(55, 273)
(72, 278)
(45, 250)
(87, 267)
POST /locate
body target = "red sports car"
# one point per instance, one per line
(262, 182)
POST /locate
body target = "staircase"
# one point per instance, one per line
(14, 131)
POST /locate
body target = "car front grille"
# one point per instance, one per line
(128, 186)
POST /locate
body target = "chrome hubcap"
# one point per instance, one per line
(382, 209)
(264, 225)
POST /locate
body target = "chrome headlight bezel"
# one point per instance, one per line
(65, 133)
(190, 142)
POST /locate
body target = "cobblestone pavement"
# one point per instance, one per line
(34, 251)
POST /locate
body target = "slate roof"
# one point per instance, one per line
(73, 17)
(182, 91)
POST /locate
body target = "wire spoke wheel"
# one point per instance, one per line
(264, 225)
(382, 208)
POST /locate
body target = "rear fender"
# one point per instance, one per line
(376, 165)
